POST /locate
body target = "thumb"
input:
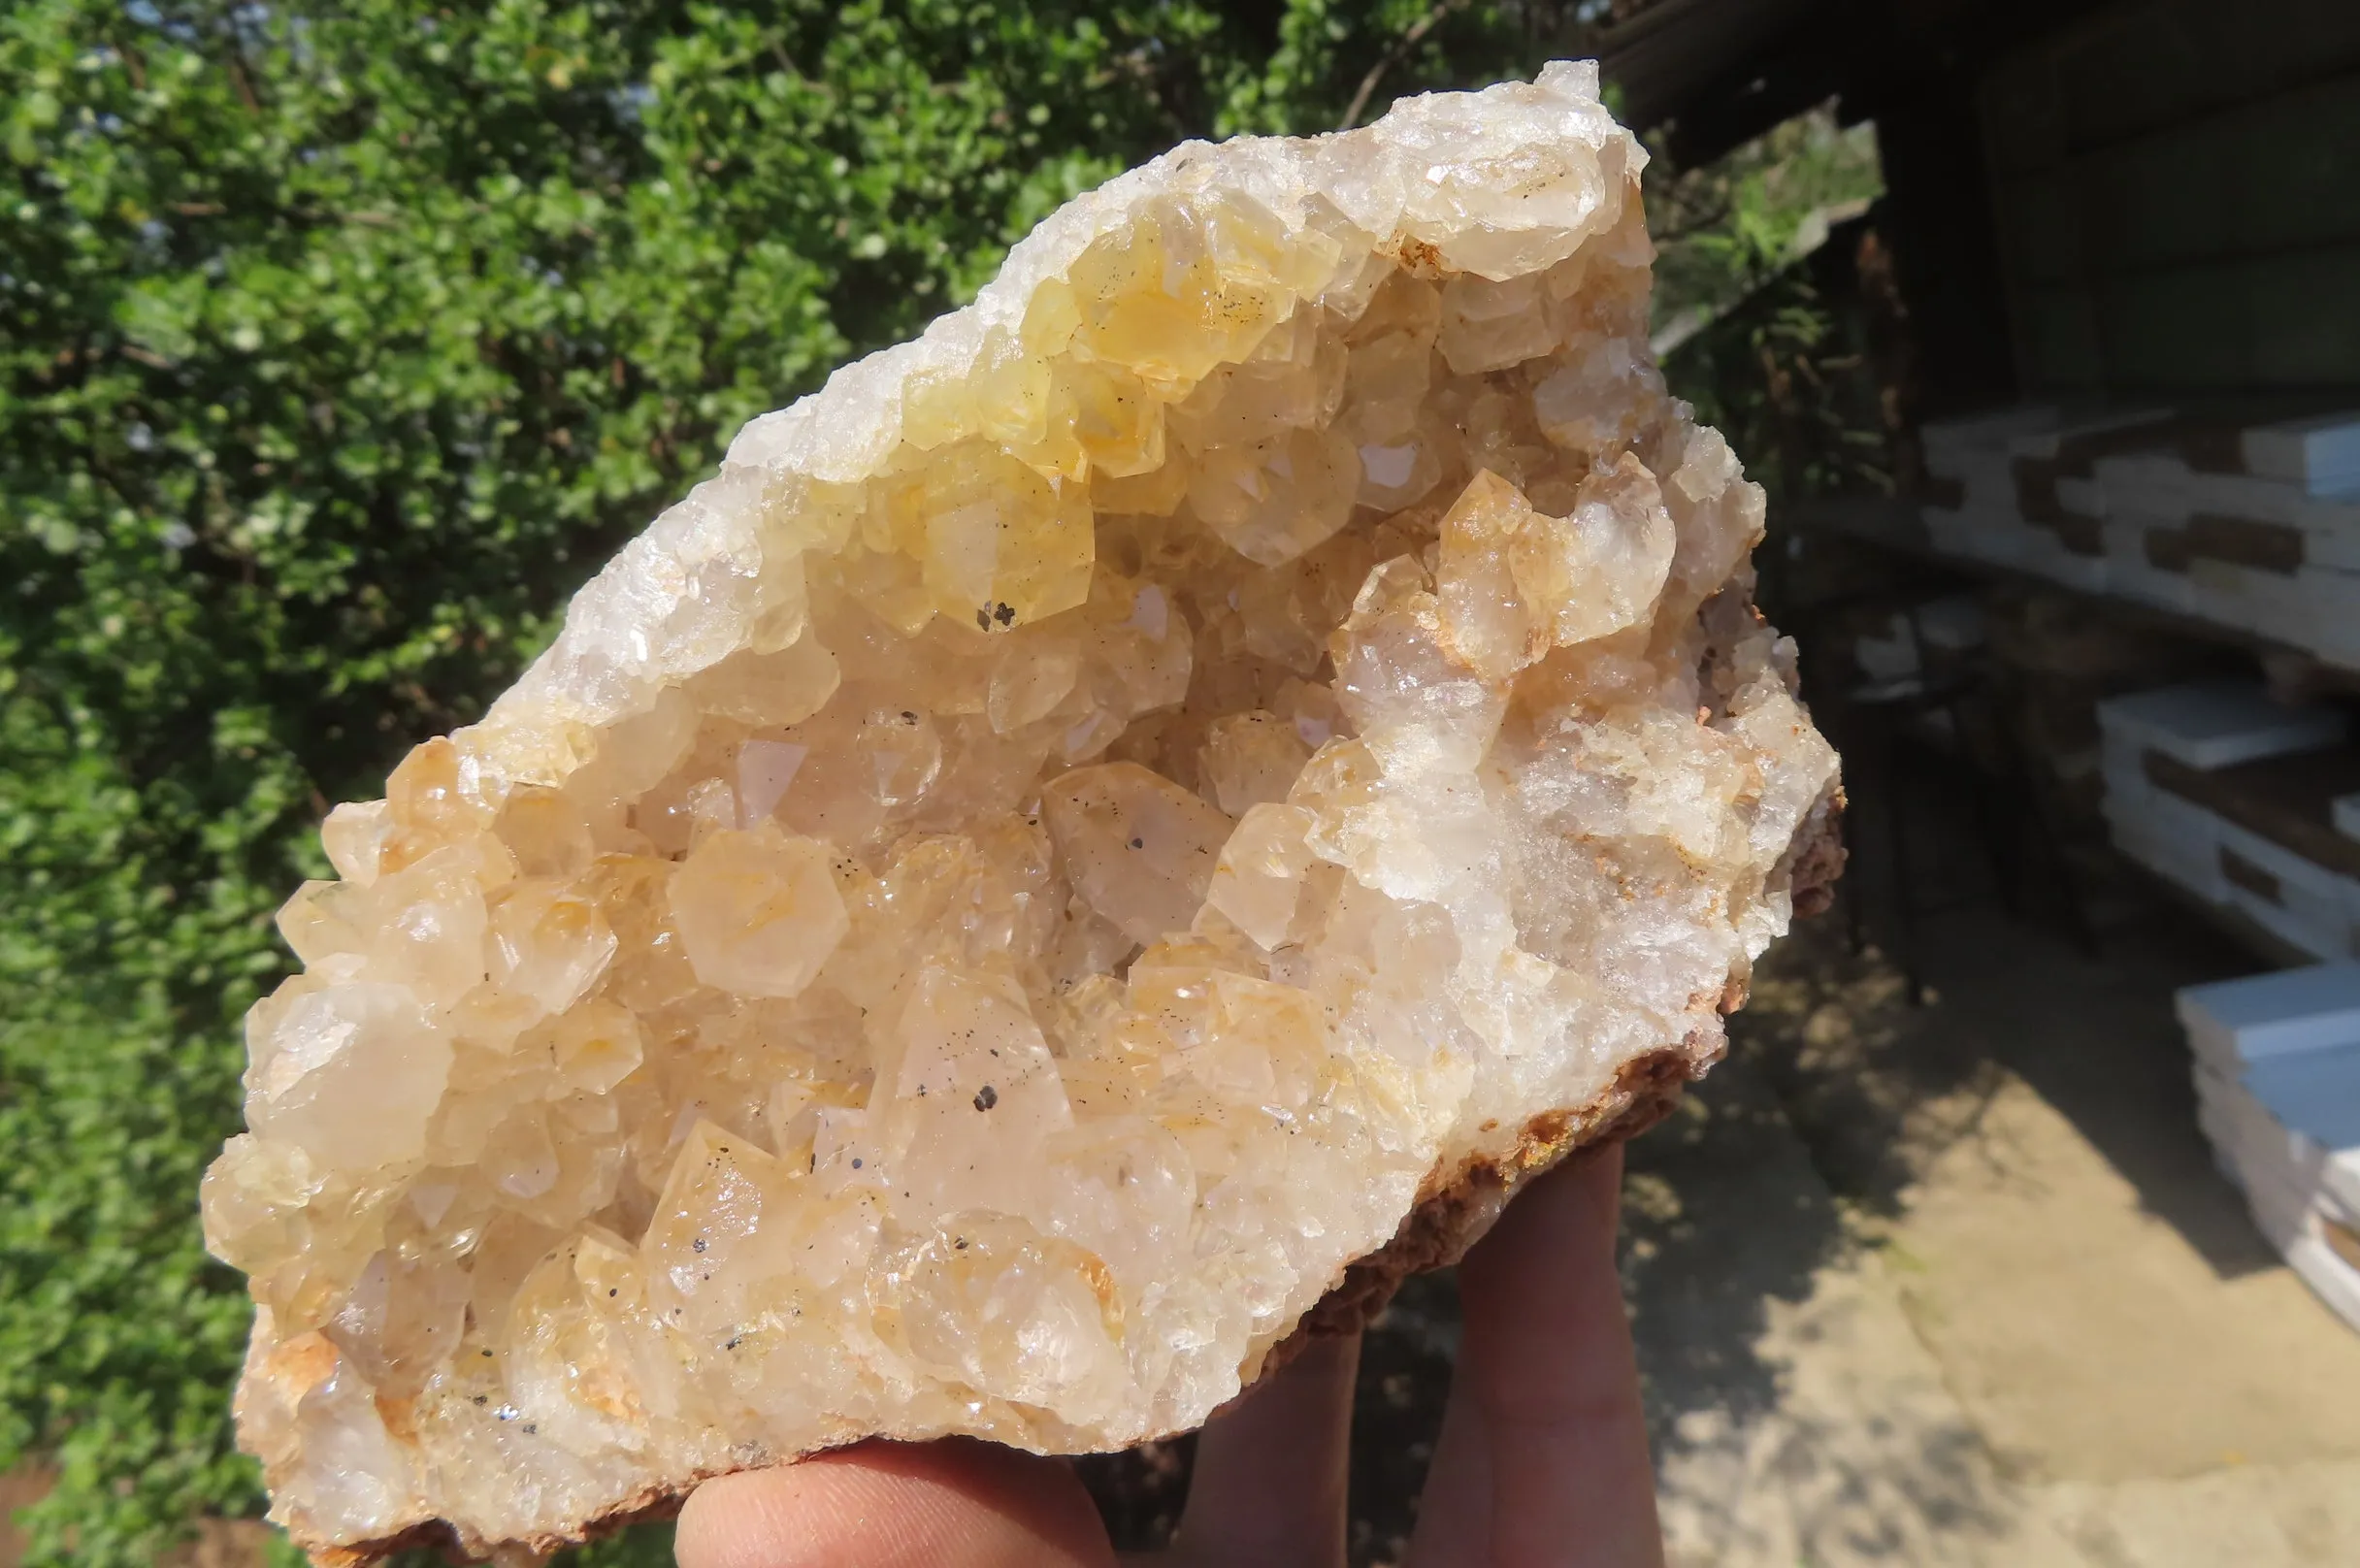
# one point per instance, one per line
(953, 1504)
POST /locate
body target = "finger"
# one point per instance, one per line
(1454, 1508)
(1543, 1455)
(887, 1505)
(1268, 1487)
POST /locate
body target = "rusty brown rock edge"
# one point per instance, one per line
(1456, 1207)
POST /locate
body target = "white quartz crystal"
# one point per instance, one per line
(1000, 895)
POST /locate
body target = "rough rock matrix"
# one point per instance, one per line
(1189, 777)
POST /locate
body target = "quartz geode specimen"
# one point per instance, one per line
(1118, 824)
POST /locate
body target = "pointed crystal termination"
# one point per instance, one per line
(1095, 843)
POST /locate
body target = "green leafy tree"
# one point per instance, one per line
(338, 342)
(1747, 336)
(1725, 229)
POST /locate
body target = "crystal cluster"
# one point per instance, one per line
(994, 901)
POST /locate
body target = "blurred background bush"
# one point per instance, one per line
(340, 343)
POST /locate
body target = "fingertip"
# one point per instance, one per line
(1544, 1456)
(891, 1505)
(1272, 1470)
(1579, 1203)
(1541, 1294)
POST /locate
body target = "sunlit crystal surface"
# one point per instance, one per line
(1000, 895)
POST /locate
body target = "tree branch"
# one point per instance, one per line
(1409, 40)
(1686, 227)
(244, 79)
(133, 65)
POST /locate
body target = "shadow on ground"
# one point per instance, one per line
(1876, 1087)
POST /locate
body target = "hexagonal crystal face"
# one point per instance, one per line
(995, 900)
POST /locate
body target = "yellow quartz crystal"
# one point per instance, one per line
(999, 897)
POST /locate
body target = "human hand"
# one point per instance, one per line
(1542, 1461)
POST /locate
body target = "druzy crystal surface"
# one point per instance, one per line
(996, 899)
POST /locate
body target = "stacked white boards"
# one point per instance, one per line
(1904, 643)
(2255, 528)
(1996, 498)
(2243, 801)
(2277, 1094)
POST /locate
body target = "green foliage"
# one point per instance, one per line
(1747, 337)
(1784, 379)
(338, 343)
(1724, 229)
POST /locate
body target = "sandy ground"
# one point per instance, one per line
(1959, 1284)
